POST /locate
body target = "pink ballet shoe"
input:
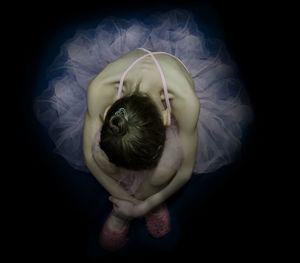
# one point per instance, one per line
(113, 240)
(159, 224)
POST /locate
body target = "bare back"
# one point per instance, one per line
(145, 75)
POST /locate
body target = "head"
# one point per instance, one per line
(136, 144)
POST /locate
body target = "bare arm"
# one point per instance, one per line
(91, 126)
(182, 176)
(109, 183)
(102, 160)
(188, 134)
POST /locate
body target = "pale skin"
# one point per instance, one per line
(102, 93)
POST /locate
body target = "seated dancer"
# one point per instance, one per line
(163, 106)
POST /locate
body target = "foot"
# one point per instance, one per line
(114, 233)
(116, 224)
(158, 221)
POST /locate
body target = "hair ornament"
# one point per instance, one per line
(123, 111)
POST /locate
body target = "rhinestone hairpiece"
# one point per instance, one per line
(123, 111)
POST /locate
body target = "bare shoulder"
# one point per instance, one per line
(113, 71)
(98, 97)
(103, 89)
(186, 110)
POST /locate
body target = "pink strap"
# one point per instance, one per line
(162, 78)
(125, 73)
(159, 69)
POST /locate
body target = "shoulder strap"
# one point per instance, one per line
(125, 73)
(159, 69)
(162, 78)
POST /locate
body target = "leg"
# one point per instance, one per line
(114, 233)
(158, 221)
(116, 223)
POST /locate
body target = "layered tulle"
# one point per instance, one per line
(225, 109)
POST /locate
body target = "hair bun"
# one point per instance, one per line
(118, 125)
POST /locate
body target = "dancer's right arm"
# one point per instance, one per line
(110, 184)
(92, 124)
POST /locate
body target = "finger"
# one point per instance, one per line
(119, 213)
(116, 209)
(114, 200)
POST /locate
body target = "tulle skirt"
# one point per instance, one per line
(225, 107)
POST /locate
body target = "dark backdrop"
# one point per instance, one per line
(57, 206)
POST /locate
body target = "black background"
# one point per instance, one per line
(47, 208)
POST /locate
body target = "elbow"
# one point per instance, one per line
(88, 159)
(162, 176)
(87, 155)
(186, 176)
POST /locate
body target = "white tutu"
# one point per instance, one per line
(224, 104)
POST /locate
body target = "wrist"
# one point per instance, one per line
(142, 209)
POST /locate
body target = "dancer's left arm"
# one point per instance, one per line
(188, 135)
(182, 176)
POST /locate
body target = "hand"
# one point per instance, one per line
(128, 210)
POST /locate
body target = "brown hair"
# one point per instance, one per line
(136, 144)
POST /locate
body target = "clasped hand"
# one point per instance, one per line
(128, 210)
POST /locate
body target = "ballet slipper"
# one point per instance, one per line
(113, 240)
(159, 224)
